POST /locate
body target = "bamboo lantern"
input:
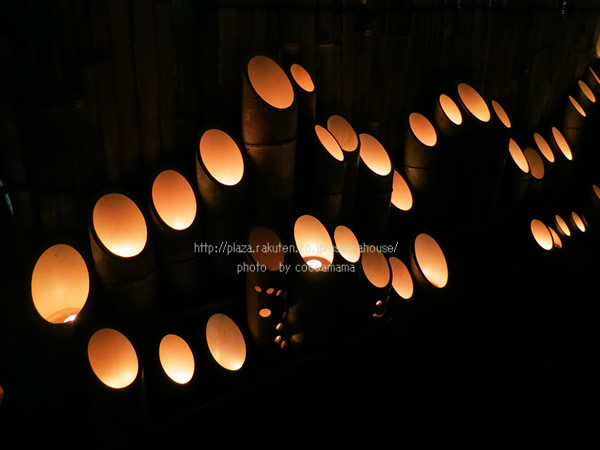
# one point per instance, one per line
(562, 227)
(225, 343)
(122, 253)
(266, 289)
(347, 256)
(347, 138)
(375, 184)
(222, 186)
(402, 287)
(542, 235)
(564, 156)
(592, 207)
(312, 283)
(402, 202)
(586, 97)
(549, 160)
(592, 80)
(428, 263)
(174, 213)
(269, 124)
(537, 171)
(447, 117)
(577, 222)
(476, 112)
(306, 96)
(575, 115)
(375, 282)
(516, 177)
(556, 240)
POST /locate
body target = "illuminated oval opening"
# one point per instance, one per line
(375, 267)
(343, 133)
(596, 190)
(265, 313)
(589, 94)
(329, 142)
(112, 358)
(374, 155)
(577, 106)
(222, 157)
(401, 195)
(536, 164)
(120, 225)
(578, 222)
(518, 156)
(225, 342)
(431, 260)
(555, 238)
(176, 358)
(594, 75)
(266, 248)
(302, 77)
(60, 284)
(270, 82)
(346, 243)
(499, 110)
(313, 242)
(450, 109)
(402, 282)
(422, 129)
(543, 147)
(562, 225)
(563, 146)
(474, 102)
(174, 199)
(541, 234)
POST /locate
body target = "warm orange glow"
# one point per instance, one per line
(594, 75)
(518, 156)
(265, 313)
(266, 248)
(222, 157)
(422, 129)
(541, 234)
(578, 222)
(431, 260)
(112, 358)
(474, 102)
(329, 142)
(120, 225)
(596, 190)
(313, 241)
(346, 243)
(174, 199)
(60, 284)
(543, 147)
(401, 195)
(343, 132)
(401, 279)
(176, 358)
(562, 143)
(375, 267)
(586, 91)
(374, 155)
(270, 82)
(451, 109)
(302, 77)
(499, 110)
(577, 106)
(555, 238)
(225, 342)
(536, 164)
(562, 225)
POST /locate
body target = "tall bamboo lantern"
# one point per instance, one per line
(347, 257)
(402, 293)
(515, 179)
(542, 145)
(565, 164)
(574, 123)
(402, 203)
(376, 281)
(537, 169)
(306, 98)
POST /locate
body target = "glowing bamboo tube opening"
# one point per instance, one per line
(343, 133)
(374, 155)
(266, 248)
(543, 147)
(313, 242)
(541, 234)
(176, 358)
(451, 109)
(225, 342)
(401, 195)
(375, 267)
(221, 157)
(499, 110)
(586, 91)
(402, 282)
(474, 102)
(60, 284)
(431, 260)
(346, 243)
(329, 142)
(120, 225)
(422, 129)
(555, 238)
(562, 225)
(596, 190)
(578, 222)
(270, 82)
(302, 77)
(174, 199)
(577, 106)
(536, 164)
(518, 156)
(596, 77)
(112, 358)
(562, 143)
